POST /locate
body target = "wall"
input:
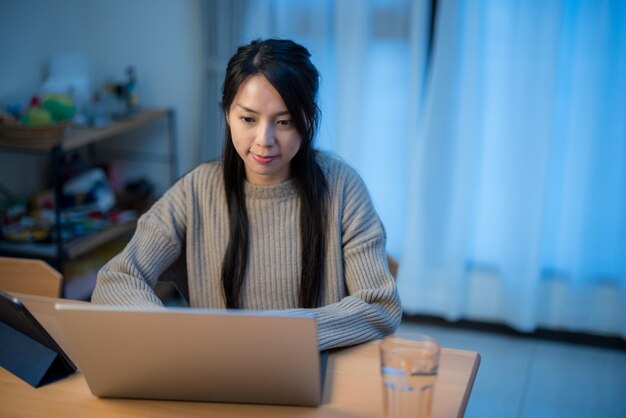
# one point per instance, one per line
(162, 38)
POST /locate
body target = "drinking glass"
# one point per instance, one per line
(409, 366)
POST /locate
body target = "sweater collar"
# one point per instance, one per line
(280, 191)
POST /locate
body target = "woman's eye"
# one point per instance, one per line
(284, 122)
(247, 119)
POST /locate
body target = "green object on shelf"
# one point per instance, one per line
(60, 106)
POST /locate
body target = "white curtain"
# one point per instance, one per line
(498, 167)
(517, 209)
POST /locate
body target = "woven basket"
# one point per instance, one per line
(32, 136)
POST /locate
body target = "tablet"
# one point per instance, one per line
(14, 314)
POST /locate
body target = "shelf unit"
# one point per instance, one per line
(74, 138)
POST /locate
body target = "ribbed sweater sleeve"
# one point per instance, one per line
(359, 297)
(371, 308)
(130, 277)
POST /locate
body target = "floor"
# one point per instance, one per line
(521, 377)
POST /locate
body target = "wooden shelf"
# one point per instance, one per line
(71, 249)
(76, 137)
(79, 137)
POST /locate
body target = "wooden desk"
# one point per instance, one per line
(352, 389)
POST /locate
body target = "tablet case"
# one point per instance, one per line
(26, 349)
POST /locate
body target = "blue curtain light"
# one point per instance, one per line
(521, 173)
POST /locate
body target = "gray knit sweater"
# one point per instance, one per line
(190, 224)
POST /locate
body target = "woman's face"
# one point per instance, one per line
(263, 133)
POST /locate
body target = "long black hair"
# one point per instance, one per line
(287, 66)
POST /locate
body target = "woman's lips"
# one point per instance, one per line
(263, 159)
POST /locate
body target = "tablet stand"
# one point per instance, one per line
(28, 359)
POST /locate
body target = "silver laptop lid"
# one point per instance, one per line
(195, 354)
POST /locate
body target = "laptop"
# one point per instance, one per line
(265, 357)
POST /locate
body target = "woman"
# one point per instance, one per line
(274, 224)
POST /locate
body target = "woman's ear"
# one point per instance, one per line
(227, 119)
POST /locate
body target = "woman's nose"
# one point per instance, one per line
(266, 135)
